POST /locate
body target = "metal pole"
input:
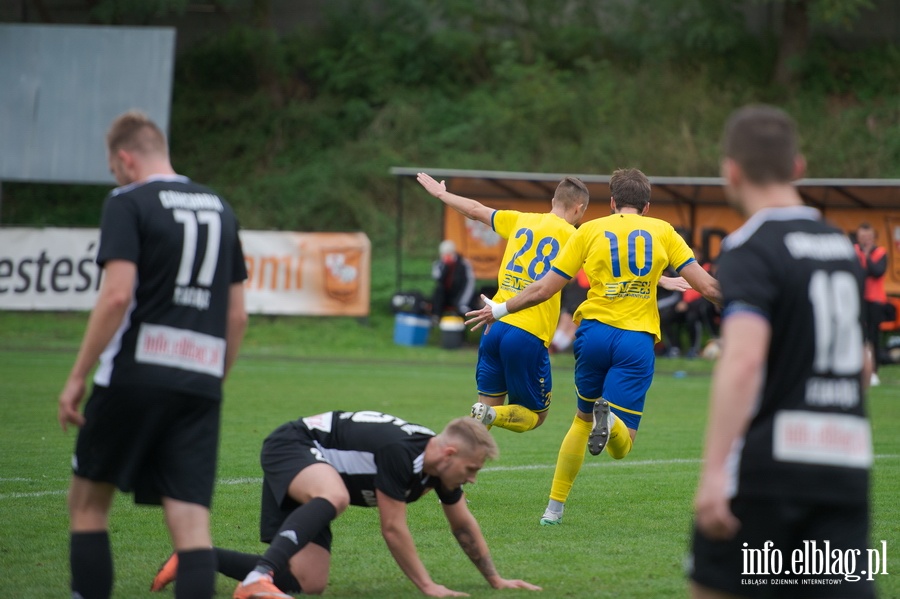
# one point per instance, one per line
(399, 248)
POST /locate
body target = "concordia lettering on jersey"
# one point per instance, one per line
(809, 437)
(184, 240)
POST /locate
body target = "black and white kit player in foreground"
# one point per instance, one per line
(166, 328)
(314, 467)
(788, 444)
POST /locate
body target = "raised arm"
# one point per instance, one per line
(468, 534)
(465, 206)
(395, 531)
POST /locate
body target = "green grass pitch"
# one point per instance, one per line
(625, 533)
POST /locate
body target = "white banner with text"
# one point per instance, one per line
(321, 274)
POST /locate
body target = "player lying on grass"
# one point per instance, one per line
(314, 467)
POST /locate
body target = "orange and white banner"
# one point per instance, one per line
(288, 273)
(320, 274)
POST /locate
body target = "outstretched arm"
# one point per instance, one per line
(673, 283)
(396, 534)
(536, 293)
(465, 206)
(468, 534)
(703, 282)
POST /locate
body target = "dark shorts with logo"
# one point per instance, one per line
(813, 534)
(284, 454)
(151, 442)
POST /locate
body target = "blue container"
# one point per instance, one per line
(411, 329)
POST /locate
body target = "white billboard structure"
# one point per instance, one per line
(61, 86)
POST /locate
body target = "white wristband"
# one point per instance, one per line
(499, 310)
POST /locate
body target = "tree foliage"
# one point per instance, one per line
(135, 11)
(841, 13)
(797, 19)
(299, 131)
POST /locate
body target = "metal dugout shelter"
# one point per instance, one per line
(696, 206)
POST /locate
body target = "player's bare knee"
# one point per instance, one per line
(89, 505)
(313, 589)
(339, 498)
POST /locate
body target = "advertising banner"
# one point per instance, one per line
(323, 274)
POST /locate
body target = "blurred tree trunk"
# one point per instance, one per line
(794, 40)
(42, 11)
(261, 12)
(222, 11)
(267, 63)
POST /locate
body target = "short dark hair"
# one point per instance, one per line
(629, 187)
(135, 132)
(571, 191)
(762, 140)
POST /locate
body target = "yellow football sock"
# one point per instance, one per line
(515, 418)
(570, 459)
(619, 444)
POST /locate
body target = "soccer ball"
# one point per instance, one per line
(712, 350)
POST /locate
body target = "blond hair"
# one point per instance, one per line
(133, 131)
(469, 436)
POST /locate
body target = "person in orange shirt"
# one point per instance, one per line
(873, 259)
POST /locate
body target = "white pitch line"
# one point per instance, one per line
(605, 463)
(257, 480)
(27, 495)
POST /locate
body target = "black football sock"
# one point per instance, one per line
(235, 564)
(196, 576)
(90, 561)
(298, 529)
(285, 581)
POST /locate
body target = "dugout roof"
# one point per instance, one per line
(697, 202)
(877, 194)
